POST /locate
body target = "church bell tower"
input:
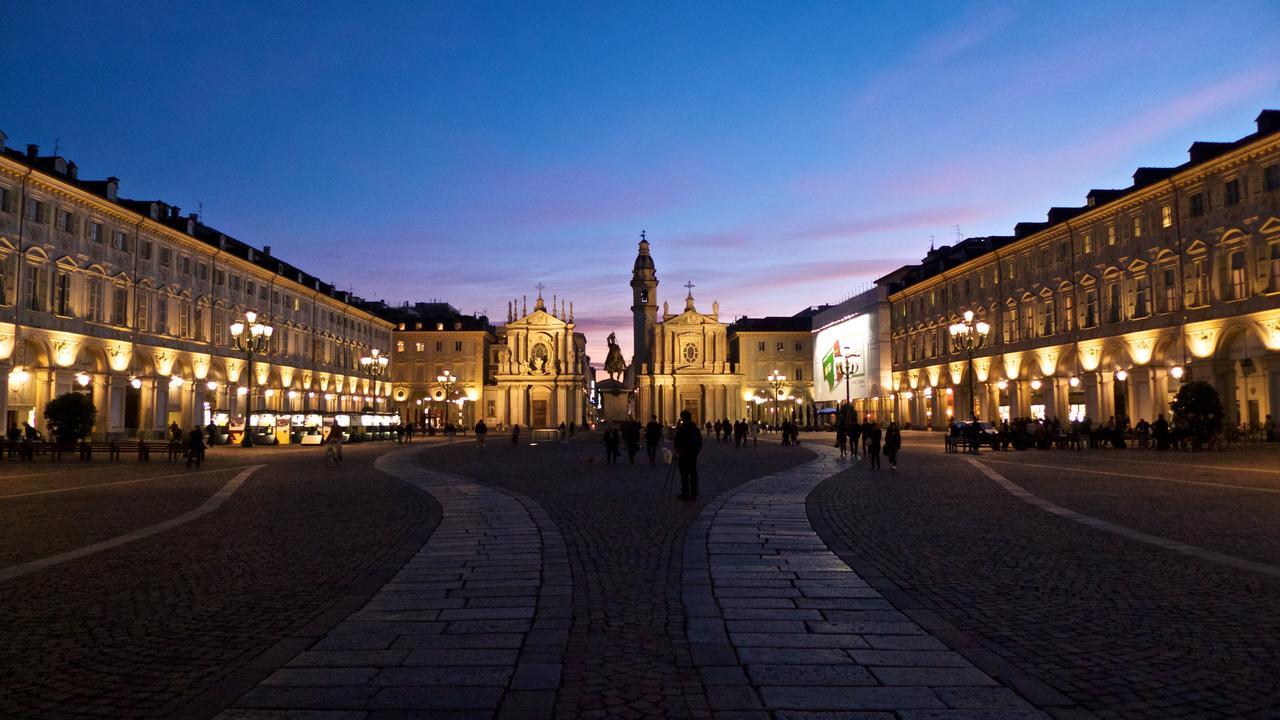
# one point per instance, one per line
(644, 305)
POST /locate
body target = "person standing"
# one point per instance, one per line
(842, 439)
(195, 447)
(515, 434)
(688, 443)
(892, 444)
(482, 432)
(855, 436)
(631, 436)
(871, 434)
(652, 438)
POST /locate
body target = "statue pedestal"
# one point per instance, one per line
(615, 400)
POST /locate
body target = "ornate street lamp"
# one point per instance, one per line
(251, 338)
(374, 364)
(775, 380)
(447, 380)
(850, 362)
(970, 335)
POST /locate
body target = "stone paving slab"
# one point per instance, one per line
(469, 627)
(780, 626)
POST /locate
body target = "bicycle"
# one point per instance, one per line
(332, 456)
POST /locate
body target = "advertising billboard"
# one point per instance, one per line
(848, 339)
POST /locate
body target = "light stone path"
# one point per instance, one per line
(781, 626)
(475, 625)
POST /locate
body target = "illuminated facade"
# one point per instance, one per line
(1106, 309)
(130, 301)
(760, 346)
(432, 341)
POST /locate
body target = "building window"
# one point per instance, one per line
(780, 346)
(1169, 279)
(799, 374)
(1197, 205)
(64, 221)
(1231, 190)
(1068, 309)
(1009, 328)
(202, 271)
(62, 294)
(1114, 313)
(1271, 178)
(95, 300)
(162, 314)
(6, 200)
(760, 346)
(419, 347)
(1137, 226)
(1048, 318)
(1028, 320)
(120, 305)
(184, 319)
(1090, 308)
(142, 312)
(120, 241)
(1166, 216)
(800, 346)
(35, 210)
(166, 257)
(1086, 243)
(145, 249)
(1237, 281)
(1199, 283)
(1273, 266)
(8, 278)
(95, 232)
(439, 348)
(1111, 234)
(249, 287)
(399, 346)
(1141, 296)
(198, 321)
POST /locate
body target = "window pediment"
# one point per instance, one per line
(1197, 246)
(1272, 225)
(1232, 237)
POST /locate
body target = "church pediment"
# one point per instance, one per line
(692, 317)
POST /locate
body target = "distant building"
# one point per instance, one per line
(131, 302)
(851, 359)
(759, 347)
(1106, 309)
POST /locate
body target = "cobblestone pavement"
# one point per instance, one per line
(766, 596)
(475, 622)
(180, 623)
(1081, 621)
(627, 654)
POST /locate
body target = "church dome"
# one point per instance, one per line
(644, 261)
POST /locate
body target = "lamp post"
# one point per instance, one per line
(850, 362)
(375, 366)
(447, 380)
(970, 335)
(251, 338)
(775, 380)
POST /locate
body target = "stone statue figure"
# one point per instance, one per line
(614, 365)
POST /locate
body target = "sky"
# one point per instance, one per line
(778, 155)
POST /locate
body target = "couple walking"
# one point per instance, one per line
(870, 435)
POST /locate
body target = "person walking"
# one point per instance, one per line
(842, 439)
(515, 434)
(611, 442)
(482, 432)
(892, 444)
(195, 447)
(688, 443)
(872, 436)
(652, 438)
(855, 436)
(631, 436)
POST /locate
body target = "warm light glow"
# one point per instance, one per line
(1036, 384)
(251, 317)
(1121, 375)
(212, 385)
(83, 379)
(983, 328)
(19, 375)
(928, 392)
(135, 382)
(1176, 371)
(1002, 385)
(950, 391)
(1074, 382)
(176, 381)
(294, 394)
(270, 392)
(968, 316)
(242, 390)
(237, 329)
(908, 395)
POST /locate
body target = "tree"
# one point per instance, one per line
(1198, 409)
(71, 416)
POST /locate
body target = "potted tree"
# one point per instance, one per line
(1197, 412)
(71, 418)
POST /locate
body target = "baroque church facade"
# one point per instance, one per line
(681, 362)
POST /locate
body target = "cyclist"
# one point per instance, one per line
(334, 442)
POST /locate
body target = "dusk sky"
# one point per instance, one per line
(779, 155)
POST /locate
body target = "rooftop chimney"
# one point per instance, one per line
(191, 224)
(3, 138)
(1268, 122)
(266, 249)
(72, 171)
(113, 187)
(33, 152)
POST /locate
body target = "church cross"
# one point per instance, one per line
(642, 235)
(691, 286)
(540, 288)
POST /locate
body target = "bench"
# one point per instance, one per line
(953, 443)
(18, 449)
(114, 449)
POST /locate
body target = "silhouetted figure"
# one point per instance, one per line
(688, 443)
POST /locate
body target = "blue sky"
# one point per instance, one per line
(779, 155)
